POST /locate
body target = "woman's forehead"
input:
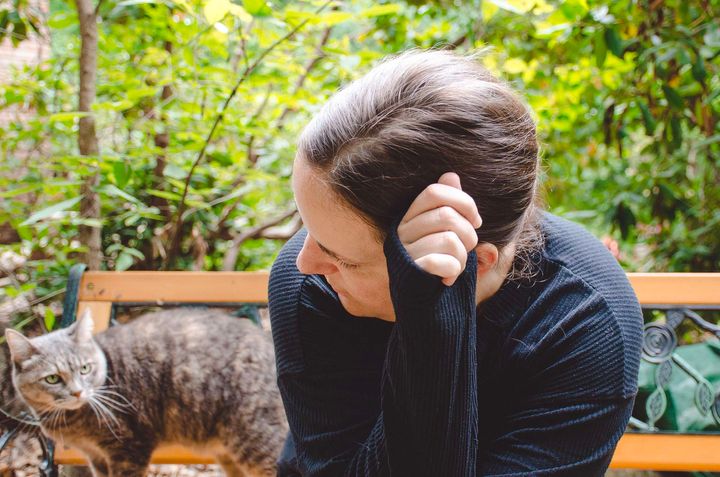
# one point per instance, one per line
(331, 223)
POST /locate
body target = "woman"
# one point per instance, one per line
(496, 339)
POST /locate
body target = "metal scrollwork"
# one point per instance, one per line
(716, 409)
(659, 345)
(663, 373)
(659, 342)
(704, 397)
(655, 406)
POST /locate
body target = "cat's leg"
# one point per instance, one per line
(96, 462)
(99, 467)
(130, 460)
(129, 468)
(229, 466)
(252, 460)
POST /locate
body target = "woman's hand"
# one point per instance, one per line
(438, 229)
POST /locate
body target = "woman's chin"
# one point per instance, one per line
(359, 311)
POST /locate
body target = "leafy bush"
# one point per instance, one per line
(199, 103)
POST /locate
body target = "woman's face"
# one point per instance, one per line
(341, 246)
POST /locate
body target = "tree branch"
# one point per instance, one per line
(233, 251)
(319, 55)
(177, 229)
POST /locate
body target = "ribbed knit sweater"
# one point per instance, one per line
(538, 380)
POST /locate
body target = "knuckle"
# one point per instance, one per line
(446, 214)
(458, 267)
(448, 239)
(434, 190)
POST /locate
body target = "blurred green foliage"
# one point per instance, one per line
(626, 95)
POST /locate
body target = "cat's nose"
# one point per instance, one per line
(77, 394)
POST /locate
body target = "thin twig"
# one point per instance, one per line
(177, 229)
(232, 253)
(319, 55)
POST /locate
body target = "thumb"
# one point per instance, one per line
(450, 179)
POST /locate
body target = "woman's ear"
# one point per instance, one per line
(487, 257)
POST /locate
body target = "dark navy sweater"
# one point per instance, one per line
(537, 380)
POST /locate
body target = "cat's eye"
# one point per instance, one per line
(52, 379)
(86, 368)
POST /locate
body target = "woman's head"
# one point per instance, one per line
(384, 138)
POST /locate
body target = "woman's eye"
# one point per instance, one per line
(85, 369)
(346, 265)
(52, 379)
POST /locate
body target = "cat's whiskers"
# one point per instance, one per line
(111, 398)
(104, 408)
(105, 416)
(102, 420)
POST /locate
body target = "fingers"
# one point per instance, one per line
(438, 220)
(441, 243)
(444, 266)
(438, 230)
(439, 195)
(450, 179)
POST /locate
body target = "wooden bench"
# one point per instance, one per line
(100, 291)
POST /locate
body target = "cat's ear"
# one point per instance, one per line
(20, 347)
(82, 329)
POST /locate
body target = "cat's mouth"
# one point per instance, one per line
(72, 403)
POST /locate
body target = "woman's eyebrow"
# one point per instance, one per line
(333, 254)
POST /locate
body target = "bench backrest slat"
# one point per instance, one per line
(251, 287)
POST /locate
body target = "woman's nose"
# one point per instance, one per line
(312, 261)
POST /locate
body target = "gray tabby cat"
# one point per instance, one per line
(199, 378)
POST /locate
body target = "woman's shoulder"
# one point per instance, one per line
(571, 247)
(581, 322)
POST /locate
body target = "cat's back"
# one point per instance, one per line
(189, 345)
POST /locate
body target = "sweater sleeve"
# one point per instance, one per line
(560, 438)
(426, 422)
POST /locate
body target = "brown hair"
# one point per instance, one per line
(386, 136)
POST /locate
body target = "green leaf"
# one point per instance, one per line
(674, 99)
(111, 189)
(600, 48)
(67, 117)
(122, 173)
(676, 129)
(49, 211)
(20, 190)
(164, 194)
(60, 20)
(240, 12)
(138, 93)
(698, 69)
(648, 119)
(49, 319)
(613, 42)
(4, 16)
(215, 10)
(134, 252)
(257, 8)
(123, 262)
(176, 172)
(379, 10)
(334, 18)
(19, 33)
